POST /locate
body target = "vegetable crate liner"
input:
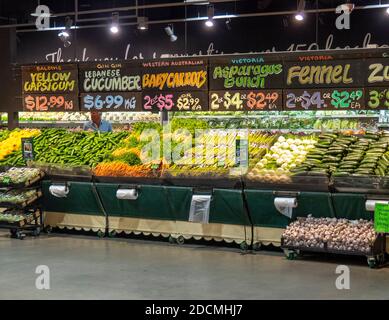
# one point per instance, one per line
(297, 183)
(368, 184)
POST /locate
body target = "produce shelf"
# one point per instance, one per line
(25, 184)
(22, 205)
(223, 117)
(22, 223)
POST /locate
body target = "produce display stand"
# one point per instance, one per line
(375, 256)
(242, 210)
(33, 223)
(24, 204)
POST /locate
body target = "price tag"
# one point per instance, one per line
(175, 101)
(115, 101)
(381, 218)
(51, 102)
(377, 98)
(324, 99)
(28, 148)
(247, 100)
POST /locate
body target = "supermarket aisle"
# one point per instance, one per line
(88, 268)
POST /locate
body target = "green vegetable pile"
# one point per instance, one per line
(326, 156)
(369, 155)
(75, 148)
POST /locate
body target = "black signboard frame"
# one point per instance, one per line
(126, 69)
(51, 96)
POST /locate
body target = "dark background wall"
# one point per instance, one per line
(247, 35)
(9, 86)
(368, 27)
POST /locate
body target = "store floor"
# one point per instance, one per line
(83, 267)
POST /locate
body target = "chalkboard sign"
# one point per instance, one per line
(177, 75)
(50, 87)
(56, 78)
(377, 72)
(377, 98)
(109, 77)
(250, 72)
(113, 101)
(324, 74)
(246, 100)
(175, 101)
(324, 99)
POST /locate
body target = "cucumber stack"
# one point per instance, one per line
(366, 157)
(325, 158)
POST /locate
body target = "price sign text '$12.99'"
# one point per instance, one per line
(45, 103)
(244, 100)
(109, 102)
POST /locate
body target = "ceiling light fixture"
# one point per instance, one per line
(115, 23)
(228, 24)
(143, 23)
(170, 32)
(65, 33)
(299, 16)
(210, 14)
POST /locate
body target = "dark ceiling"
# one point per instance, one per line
(19, 11)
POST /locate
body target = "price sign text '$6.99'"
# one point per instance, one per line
(112, 102)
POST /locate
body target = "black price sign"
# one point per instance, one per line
(377, 72)
(178, 75)
(50, 87)
(324, 99)
(43, 79)
(175, 101)
(110, 77)
(248, 100)
(114, 101)
(324, 74)
(252, 72)
(377, 98)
